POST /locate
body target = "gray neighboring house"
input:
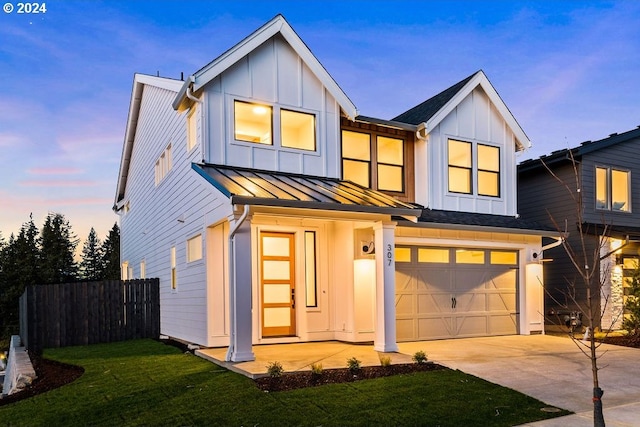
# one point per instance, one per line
(609, 171)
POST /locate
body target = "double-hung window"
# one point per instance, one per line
(467, 161)
(613, 189)
(373, 161)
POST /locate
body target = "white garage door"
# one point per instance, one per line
(455, 292)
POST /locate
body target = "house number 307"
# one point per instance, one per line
(389, 254)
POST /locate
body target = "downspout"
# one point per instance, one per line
(232, 282)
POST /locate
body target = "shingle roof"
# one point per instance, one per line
(424, 111)
(268, 188)
(470, 220)
(577, 152)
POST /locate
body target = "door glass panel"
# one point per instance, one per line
(310, 268)
(276, 270)
(275, 246)
(277, 316)
(276, 293)
(464, 256)
(433, 255)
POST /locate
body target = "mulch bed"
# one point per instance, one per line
(295, 380)
(50, 375)
(633, 341)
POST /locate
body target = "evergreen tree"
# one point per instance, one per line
(20, 267)
(111, 254)
(58, 245)
(91, 265)
(631, 320)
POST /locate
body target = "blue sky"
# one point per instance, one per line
(568, 70)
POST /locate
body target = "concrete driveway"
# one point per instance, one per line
(549, 368)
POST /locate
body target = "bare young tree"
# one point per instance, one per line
(590, 277)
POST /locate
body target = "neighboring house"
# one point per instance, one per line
(608, 171)
(273, 212)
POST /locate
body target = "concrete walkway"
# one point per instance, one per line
(549, 368)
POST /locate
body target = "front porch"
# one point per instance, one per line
(300, 356)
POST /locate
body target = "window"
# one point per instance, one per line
(253, 122)
(613, 189)
(504, 258)
(468, 256)
(194, 248)
(402, 254)
(174, 279)
(433, 255)
(461, 168)
(163, 165)
(298, 130)
(143, 269)
(192, 130)
(378, 165)
(310, 277)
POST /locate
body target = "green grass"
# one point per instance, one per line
(148, 383)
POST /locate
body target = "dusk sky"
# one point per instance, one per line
(568, 71)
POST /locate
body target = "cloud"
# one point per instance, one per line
(54, 171)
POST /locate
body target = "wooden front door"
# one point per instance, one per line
(277, 284)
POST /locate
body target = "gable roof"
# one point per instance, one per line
(281, 189)
(432, 111)
(586, 147)
(139, 81)
(277, 25)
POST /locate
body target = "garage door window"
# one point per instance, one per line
(403, 254)
(504, 258)
(466, 256)
(433, 255)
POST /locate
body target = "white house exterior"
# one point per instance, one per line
(273, 212)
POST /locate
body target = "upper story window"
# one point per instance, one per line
(192, 132)
(462, 168)
(613, 189)
(253, 122)
(373, 161)
(298, 130)
(163, 165)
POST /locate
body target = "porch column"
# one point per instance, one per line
(240, 277)
(385, 335)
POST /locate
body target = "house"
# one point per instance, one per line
(273, 212)
(607, 171)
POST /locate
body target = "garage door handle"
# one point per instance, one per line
(454, 302)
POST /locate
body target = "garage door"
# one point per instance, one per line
(455, 292)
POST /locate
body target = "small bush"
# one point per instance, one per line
(385, 361)
(275, 369)
(316, 368)
(354, 365)
(419, 357)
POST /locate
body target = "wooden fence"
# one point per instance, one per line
(89, 313)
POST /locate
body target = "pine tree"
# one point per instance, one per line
(20, 267)
(111, 254)
(58, 245)
(631, 321)
(91, 265)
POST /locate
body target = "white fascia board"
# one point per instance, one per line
(139, 81)
(252, 42)
(480, 79)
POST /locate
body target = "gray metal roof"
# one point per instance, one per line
(267, 188)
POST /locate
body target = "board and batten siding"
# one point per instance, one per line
(275, 75)
(476, 120)
(166, 215)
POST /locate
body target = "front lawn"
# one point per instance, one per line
(149, 383)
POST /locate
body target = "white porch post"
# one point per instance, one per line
(385, 335)
(240, 261)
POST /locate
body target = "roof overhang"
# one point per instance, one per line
(278, 25)
(245, 186)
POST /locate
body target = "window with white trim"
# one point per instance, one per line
(163, 165)
(192, 130)
(464, 166)
(194, 248)
(174, 278)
